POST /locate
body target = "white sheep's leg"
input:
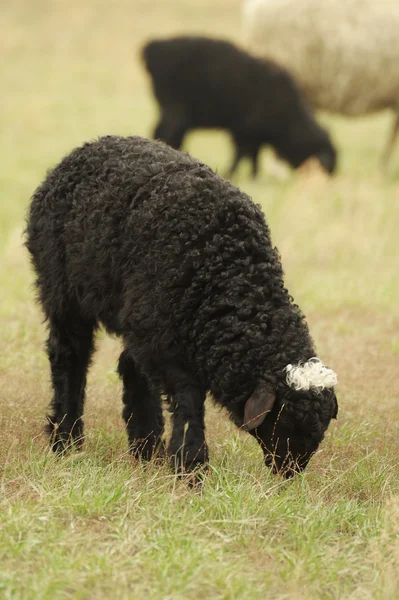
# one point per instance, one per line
(390, 145)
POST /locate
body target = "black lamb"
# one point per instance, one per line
(208, 83)
(152, 244)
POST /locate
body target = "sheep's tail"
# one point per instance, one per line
(310, 375)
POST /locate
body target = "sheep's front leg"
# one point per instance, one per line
(187, 447)
(142, 410)
(238, 155)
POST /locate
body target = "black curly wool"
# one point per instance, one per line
(152, 244)
(208, 83)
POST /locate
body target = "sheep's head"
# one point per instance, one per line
(305, 142)
(290, 423)
(323, 151)
(327, 157)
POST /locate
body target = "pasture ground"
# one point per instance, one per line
(95, 525)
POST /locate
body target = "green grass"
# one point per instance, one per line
(95, 524)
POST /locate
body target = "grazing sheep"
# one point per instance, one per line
(201, 82)
(344, 55)
(152, 244)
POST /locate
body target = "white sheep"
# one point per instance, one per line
(344, 54)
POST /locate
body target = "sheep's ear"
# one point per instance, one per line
(257, 406)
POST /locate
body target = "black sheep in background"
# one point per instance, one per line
(207, 83)
(141, 238)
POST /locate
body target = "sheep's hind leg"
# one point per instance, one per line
(243, 149)
(390, 144)
(142, 410)
(254, 154)
(69, 346)
(171, 129)
(187, 447)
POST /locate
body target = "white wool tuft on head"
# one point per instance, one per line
(311, 375)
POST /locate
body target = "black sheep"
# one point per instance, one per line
(141, 238)
(207, 83)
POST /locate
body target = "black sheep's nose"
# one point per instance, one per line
(270, 461)
(286, 468)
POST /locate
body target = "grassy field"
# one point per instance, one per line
(96, 525)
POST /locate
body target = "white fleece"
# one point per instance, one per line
(310, 375)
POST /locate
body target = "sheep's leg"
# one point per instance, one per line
(142, 410)
(171, 129)
(239, 153)
(243, 149)
(70, 345)
(187, 446)
(234, 165)
(254, 154)
(391, 143)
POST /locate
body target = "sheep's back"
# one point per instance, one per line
(212, 83)
(343, 54)
(85, 223)
(124, 219)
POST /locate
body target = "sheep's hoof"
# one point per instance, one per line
(149, 448)
(64, 438)
(190, 465)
